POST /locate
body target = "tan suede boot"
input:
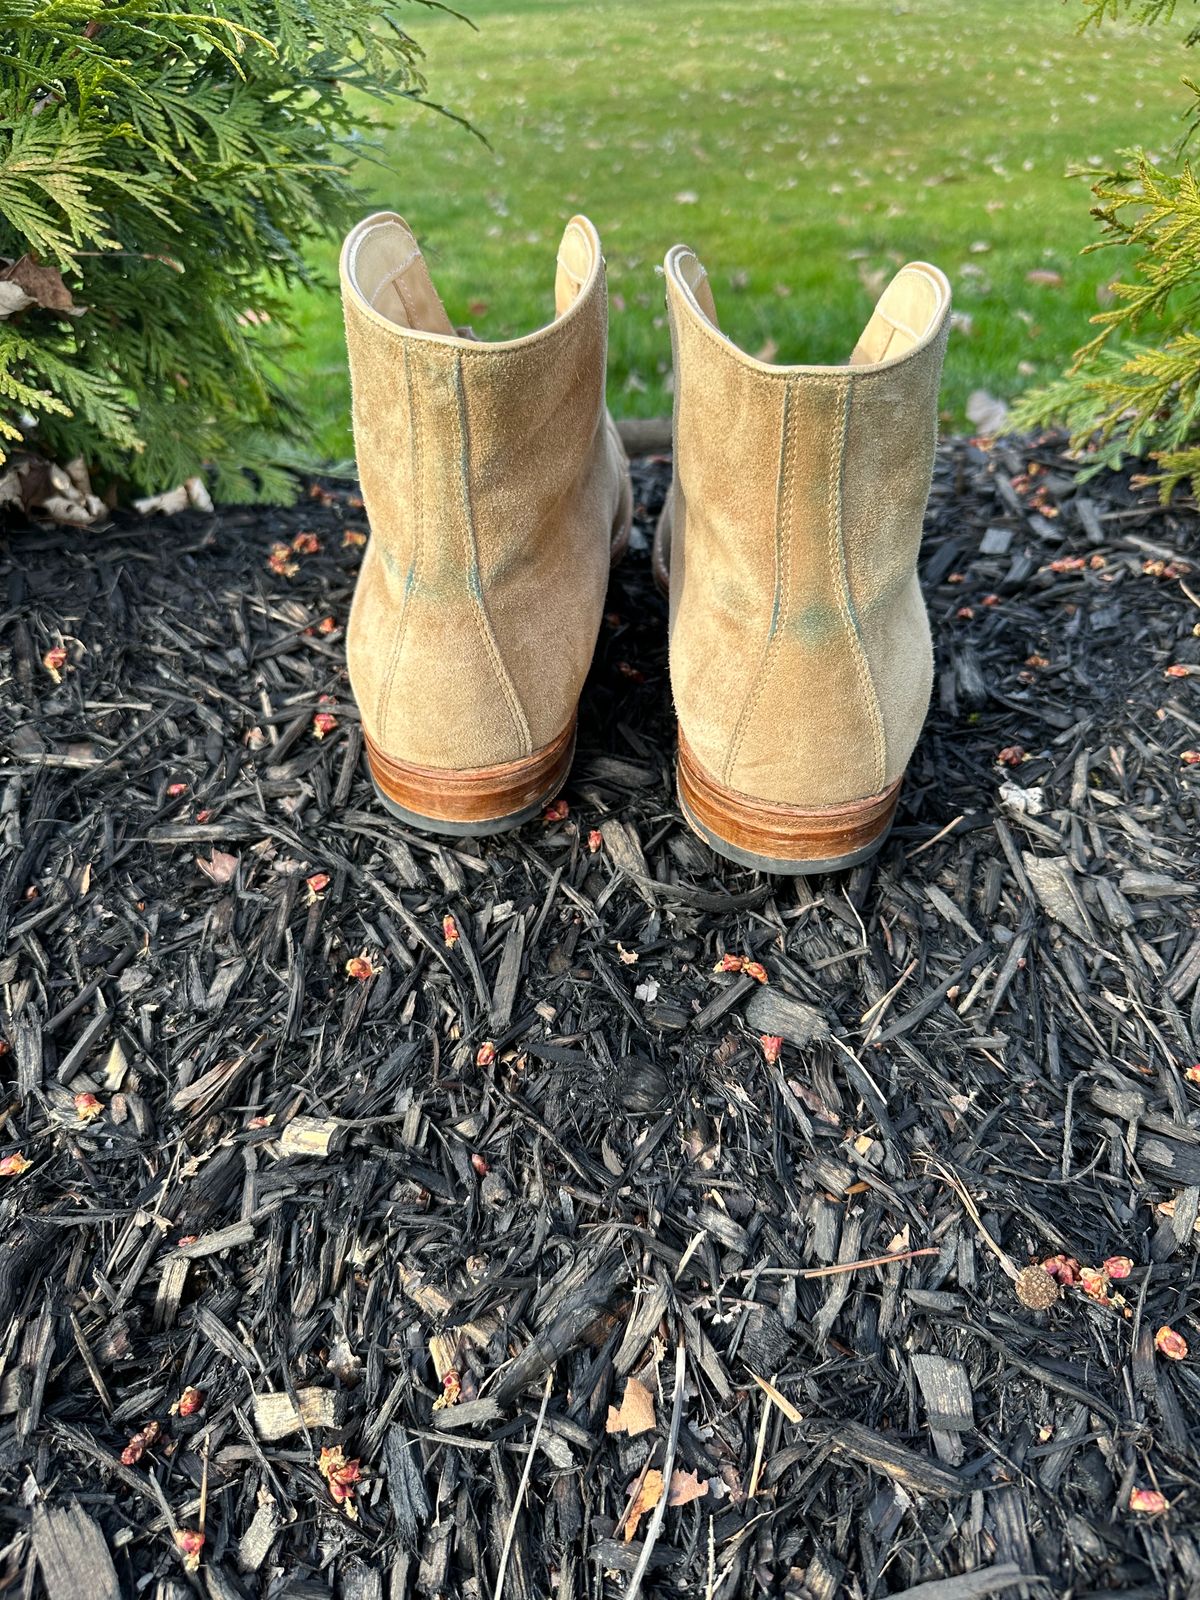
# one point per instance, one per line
(497, 492)
(800, 656)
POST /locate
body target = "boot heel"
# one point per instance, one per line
(471, 804)
(771, 837)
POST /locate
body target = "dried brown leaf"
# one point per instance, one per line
(636, 1413)
(43, 286)
(648, 1497)
(686, 1487)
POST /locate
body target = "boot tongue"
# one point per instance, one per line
(906, 312)
(389, 271)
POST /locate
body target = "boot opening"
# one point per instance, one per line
(385, 266)
(690, 272)
(578, 259)
(907, 312)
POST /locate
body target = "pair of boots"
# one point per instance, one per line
(498, 496)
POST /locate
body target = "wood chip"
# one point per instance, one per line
(277, 1415)
(72, 1555)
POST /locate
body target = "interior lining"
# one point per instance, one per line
(906, 313)
(386, 268)
(694, 274)
(576, 258)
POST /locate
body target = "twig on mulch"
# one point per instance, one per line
(518, 1501)
(1006, 1261)
(870, 1261)
(660, 1509)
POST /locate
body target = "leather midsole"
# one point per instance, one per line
(477, 794)
(783, 832)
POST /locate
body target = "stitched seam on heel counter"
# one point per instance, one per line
(415, 463)
(837, 555)
(483, 622)
(783, 555)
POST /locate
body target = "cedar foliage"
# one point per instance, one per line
(162, 170)
(1134, 389)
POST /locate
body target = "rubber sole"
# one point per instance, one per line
(477, 802)
(795, 841)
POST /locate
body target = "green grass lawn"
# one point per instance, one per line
(804, 148)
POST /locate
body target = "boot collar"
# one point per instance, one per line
(385, 276)
(908, 317)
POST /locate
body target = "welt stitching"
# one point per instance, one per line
(415, 460)
(478, 607)
(783, 524)
(837, 553)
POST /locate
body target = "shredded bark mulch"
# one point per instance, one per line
(385, 1218)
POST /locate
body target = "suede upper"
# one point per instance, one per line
(493, 478)
(801, 663)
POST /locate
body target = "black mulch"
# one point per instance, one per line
(308, 1206)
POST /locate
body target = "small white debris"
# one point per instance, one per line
(1025, 802)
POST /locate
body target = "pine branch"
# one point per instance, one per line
(176, 164)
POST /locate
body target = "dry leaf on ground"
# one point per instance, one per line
(636, 1413)
(686, 1487)
(220, 866)
(648, 1497)
(986, 411)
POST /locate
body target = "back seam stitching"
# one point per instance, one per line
(478, 608)
(837, 551)
(415, 463)
(783, 523)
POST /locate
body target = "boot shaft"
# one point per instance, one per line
(800, 656)
(491, 478)
(449, 428)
